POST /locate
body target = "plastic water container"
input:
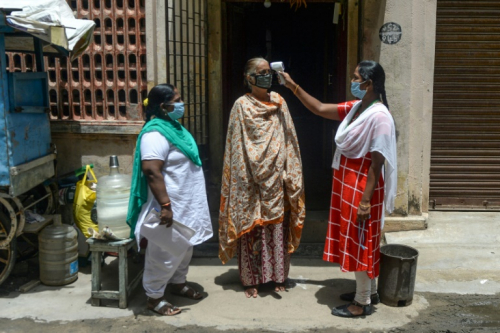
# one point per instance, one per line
(58, 254)
(113, 193)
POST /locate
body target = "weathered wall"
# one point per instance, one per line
(409, 67)
(156, 53)
(76, 150)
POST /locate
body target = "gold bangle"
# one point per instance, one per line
(295, 91)
(166, 204)
(364, 206)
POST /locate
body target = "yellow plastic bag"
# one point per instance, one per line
(83, 203)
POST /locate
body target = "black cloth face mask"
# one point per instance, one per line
(263, 80)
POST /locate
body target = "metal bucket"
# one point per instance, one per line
(58, 254)
(398, 270)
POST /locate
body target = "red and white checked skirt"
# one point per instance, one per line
(355, 246)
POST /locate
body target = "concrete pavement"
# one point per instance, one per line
(458, 254)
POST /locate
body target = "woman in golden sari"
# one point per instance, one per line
(262, 206)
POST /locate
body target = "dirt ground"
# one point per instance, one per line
(447, 313)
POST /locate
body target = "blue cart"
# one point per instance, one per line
(27, 157)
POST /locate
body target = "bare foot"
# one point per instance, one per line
(251, 291)
(355, 309)
(279, 287)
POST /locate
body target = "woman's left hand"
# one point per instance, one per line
(166, 216)
(363, 212)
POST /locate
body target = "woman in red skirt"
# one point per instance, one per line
(361, 191)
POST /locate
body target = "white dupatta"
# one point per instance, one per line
(373, 130)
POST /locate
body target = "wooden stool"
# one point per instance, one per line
(97, 247)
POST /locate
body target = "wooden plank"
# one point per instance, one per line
(34, 228)
(109, 246)
(122, 277)
(106, 294)
(33, 164)
(96, 276)
(28, 286)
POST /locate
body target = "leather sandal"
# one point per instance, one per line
(164, 308)
(349, 297)
(186, 291)
(343, 311)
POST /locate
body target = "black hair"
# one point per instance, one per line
(162, 93)
(372, 70)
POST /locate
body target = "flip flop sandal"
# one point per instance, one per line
(184, 292)
(343, 311)
(163, 303)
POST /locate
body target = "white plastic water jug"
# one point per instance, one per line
(113, 193)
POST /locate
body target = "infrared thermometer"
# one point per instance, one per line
(279, 67)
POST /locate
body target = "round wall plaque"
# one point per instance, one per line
(390, 33)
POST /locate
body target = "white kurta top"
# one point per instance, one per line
(185, 187)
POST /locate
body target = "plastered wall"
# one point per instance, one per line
(76, 150)
(409, 67)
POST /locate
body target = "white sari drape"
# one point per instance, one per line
(373, 130)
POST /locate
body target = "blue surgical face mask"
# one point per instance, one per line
(178, 111)
(355, 91)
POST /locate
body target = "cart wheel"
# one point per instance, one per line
(10, 228)
(55, 197)
(44, 206)
(8, 252)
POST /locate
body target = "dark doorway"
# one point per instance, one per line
(313, 50)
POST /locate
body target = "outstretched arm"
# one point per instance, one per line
(325, 110)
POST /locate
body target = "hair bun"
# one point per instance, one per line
(145, 102)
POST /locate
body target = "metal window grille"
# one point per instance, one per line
(187, 62)
(108, 82)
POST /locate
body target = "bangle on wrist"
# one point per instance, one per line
(295, 91)
(166, 204)
(364, 206)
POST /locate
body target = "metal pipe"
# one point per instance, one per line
(34, 203)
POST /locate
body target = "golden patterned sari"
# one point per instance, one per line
(262, 174)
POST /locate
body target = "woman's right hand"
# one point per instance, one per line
(166, 216)
(289, 83)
